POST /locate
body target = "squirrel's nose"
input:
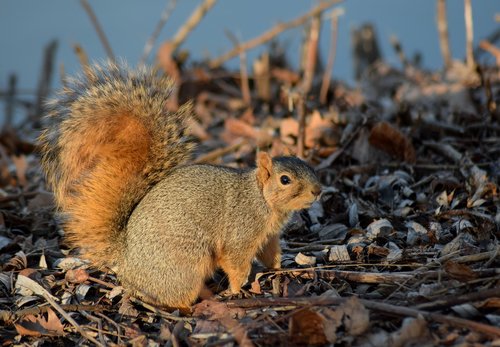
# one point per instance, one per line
(316, 191)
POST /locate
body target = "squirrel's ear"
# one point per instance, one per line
(264, 167)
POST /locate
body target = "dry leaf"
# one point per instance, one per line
(41, 200)
(391, 140)
(21, 166)
(306, 327)
(127, 309)
(238, 127)
(77, 276)
(219, 311)
(40, 325)
(414, 332)
(459, 271)
(339, 254)
(289, 130)
(27, 285)
(319, 130)
(378, 228)
(255, 287)
(303, 259)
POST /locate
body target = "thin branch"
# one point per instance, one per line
(39, 290)
(9, 316)
(93, 18)
(219, 152)
(453, 300)
(492, 49)
(271, 33)
(354, 276)
(165, 15)
(191, 23)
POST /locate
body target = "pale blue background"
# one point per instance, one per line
(26, 26)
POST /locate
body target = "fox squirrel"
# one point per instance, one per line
(116, 160)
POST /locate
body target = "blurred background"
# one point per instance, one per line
(26, 27)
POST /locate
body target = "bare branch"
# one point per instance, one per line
(271, 33)
(165, 15)
(93, 18)
(191, 23)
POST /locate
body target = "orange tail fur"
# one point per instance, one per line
(109, 140)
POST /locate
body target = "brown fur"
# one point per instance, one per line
(116, 161)
(110, 140)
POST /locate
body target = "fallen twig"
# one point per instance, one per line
(39, 290)
(460, 299)
(9, 316)
(354, 276)
(378, 306)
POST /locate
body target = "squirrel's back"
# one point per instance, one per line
(109, 140)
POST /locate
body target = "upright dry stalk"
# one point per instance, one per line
(311, 53)
(262, 76)
(62, 75)
(82, 56)
(398, 48)
(325, 84)
(245, 86)
(10, 99)
(191, 23)
(45, 79)
(165, 15)
(469, 34)
(442, 26)
(301, 113)
(93, 18)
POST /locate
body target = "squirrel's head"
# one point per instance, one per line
(288, 183)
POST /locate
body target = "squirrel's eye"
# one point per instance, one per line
(285, 179)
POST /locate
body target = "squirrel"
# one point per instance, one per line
(118, 163)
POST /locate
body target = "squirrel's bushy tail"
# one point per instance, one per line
(110, 139)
